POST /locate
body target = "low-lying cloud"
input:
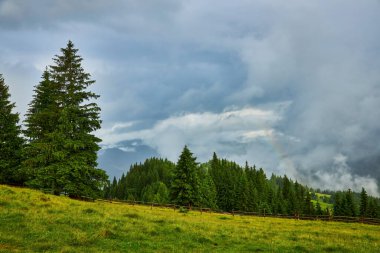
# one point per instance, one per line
(340, 177)
(229, 132)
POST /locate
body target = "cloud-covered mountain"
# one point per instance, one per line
(117, 160)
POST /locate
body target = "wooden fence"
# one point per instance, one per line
(364, 220)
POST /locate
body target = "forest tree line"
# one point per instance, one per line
(224, 185)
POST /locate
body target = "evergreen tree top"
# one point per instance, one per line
(5, 96)
(11, 142)
(186, 154)
(8, 117)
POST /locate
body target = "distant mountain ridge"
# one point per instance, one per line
(117, 160)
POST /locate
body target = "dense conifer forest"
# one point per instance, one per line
(224, 185)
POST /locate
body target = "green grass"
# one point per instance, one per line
(321, 195)
(31, 221)
(320, 199)
(323, 204)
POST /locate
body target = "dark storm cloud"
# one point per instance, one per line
(312, 66)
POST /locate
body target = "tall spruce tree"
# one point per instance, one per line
(373, 208)
(350, 207)
(207, 190)
(308, 206)
(41, 122)
(338, 204)
(11, 141)
(185, 184)
(243, 193)
(363, 203)
(61, 121)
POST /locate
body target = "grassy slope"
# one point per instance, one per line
(34, 222)
(323, 204)
(320, 195)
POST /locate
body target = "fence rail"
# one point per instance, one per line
(347, 219)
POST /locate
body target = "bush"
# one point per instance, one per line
(183, 209)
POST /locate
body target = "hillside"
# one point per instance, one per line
(35, 222)
(323, 199)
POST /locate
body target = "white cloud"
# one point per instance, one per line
(121, 126)
(127, 149)
(205, 132)
(257, 133)
(340, 177)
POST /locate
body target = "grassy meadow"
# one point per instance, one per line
(31, 221)
(320, 199)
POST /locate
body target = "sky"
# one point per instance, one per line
(290, 86)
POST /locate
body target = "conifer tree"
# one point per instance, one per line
(107, 190)
(11, 142)
(373, 208)
(338, 204)
(162, 193)
(67, 155)
(299, 198)
(318, 209)
(363, 203)
(41, 122)
(43, 113)
(185, 183)
(217, 174)
(207, 189)
(243, 193)
(113, 188)
(350, 205)
(308, 207)
(271, 200)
